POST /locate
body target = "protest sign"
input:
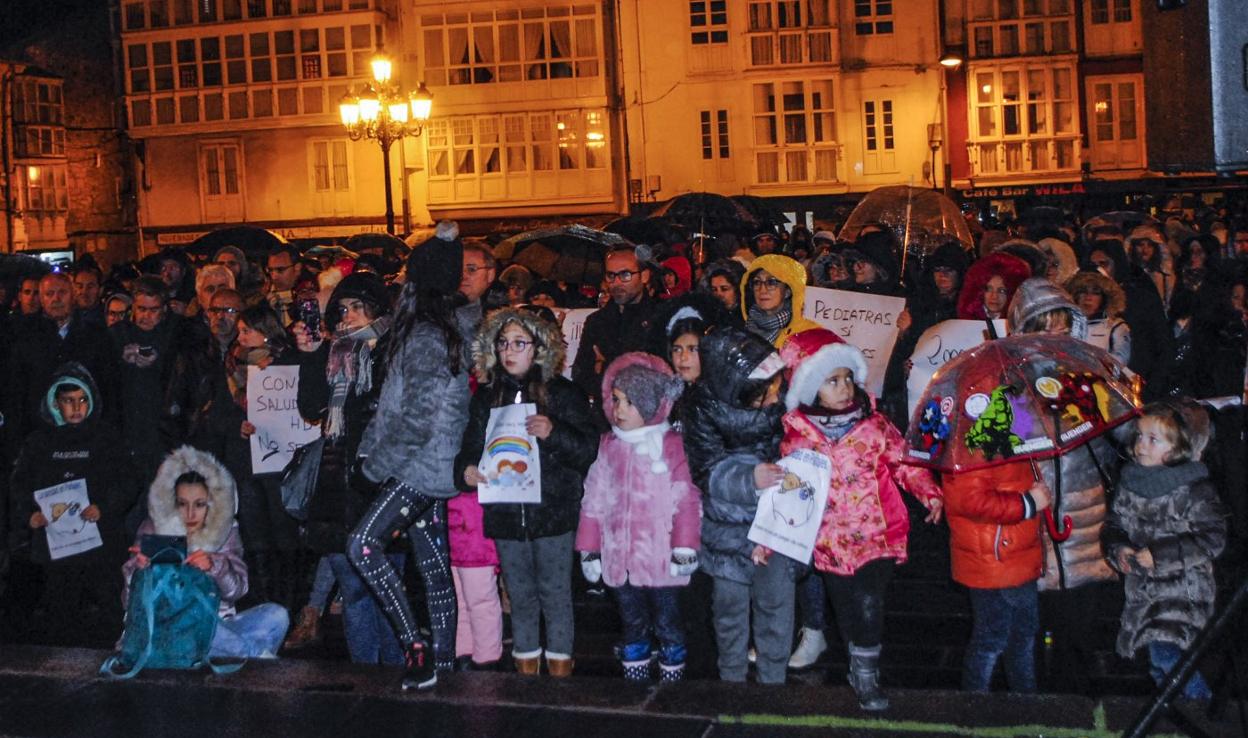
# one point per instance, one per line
(789, 514)
(939, 345)
(272, 406)
(573, 324)
(510, 461)
(869, 322)
(68, 533)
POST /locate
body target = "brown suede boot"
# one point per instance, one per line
(307, 629)
(528, 664)
(558, 665)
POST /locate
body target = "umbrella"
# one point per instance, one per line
(763, 210)
(1122, 219)
(565, 254)
(706, 212)
(255, 242)
(17, 267)
(1023, 397)
(391, 247)
(641, 229)
(921, 219)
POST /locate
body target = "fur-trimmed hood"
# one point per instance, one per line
(162, 508)
(1011, 269)
(666, 386)
(1115, 300)
(549, 352)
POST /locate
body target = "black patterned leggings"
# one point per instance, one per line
(399, 507)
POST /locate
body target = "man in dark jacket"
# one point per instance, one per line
(42, 343)
(622, 325)
(82, 594)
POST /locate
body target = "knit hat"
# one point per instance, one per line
(363, 286)
(811, 356)
(828, 236)
(879, 248)
(437, 265)
(648, 382)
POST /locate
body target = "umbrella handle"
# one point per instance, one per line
(1058, 534)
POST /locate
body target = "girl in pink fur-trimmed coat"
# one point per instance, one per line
(641, 514)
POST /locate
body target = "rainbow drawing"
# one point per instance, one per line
(509, 445)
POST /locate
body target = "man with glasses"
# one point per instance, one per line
(117, 308)
(283, 270)
(223, 320)
(619, 326)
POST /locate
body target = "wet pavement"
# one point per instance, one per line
(57, 692)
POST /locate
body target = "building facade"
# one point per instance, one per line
(35, 175)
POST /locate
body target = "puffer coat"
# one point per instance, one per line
(992, 546)
(724, 441)
(1174, 512)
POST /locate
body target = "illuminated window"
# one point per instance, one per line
(555, 42)
(795, 138)
(330, 169)
(44, 189)
(789, 32)
(1023, 120)
(475, 146)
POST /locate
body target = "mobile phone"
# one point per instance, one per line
(310, 314)
(147, 351)
(163, 549)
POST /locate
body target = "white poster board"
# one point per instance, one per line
(939, 345)
(572, 325)
(273, 407)
(68, 533)
(510, 460)
(869, 322)
(789, 514)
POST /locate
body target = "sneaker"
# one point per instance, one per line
(809, 649)
(421, 673)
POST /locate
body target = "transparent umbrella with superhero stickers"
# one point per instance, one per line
(920, 218)
(1024, 397)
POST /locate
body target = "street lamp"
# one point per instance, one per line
(381, 111)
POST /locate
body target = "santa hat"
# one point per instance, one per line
(811, 356)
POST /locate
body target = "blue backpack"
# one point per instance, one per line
(170, 622)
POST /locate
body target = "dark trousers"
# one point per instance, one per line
(398, 508)
(82, 601)
(858, 601)
(1005, 624)
(646, 610)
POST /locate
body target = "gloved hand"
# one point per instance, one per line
(684, 562)
(591, 566)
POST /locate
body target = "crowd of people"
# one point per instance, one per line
(690, 381)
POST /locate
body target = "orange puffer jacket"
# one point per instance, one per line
(992, 546)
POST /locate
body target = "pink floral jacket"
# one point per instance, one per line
(865, 518)
(635, 516)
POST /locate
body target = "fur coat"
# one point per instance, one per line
(218, 536)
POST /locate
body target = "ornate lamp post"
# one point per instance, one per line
(381, 111)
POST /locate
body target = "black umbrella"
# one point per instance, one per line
(706, 212)
(17, 267)
(565, 254)
(763, 210)
(391, 247)
(255, 242)
(642, 229)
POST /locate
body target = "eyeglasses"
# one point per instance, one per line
(765, 283)
(474, 268)
(223, 311)
(624, 276)
(517, 345)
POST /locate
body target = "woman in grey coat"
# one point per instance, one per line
(409, 449)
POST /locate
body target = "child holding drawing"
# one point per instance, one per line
(82, 593)
(862, 536)
(518, 355)
(641, 513)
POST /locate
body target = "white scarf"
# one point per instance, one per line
(647, 441)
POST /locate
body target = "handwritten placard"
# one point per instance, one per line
(866, 321)
(939, 345)
(68, 532)
(272, 406)
(573, 324)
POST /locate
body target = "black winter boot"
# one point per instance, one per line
(421, 673)
(864, 677)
